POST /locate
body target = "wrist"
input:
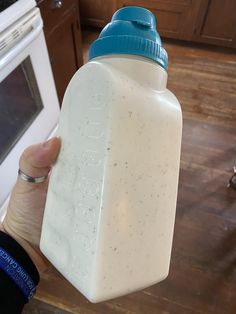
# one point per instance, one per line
(16, 267)
(33, 252)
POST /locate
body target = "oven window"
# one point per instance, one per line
(20, 103)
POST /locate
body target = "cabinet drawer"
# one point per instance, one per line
(53, 12)
(175, 18)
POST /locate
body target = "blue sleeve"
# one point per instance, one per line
(18, 276)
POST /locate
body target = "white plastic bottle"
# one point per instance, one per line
(110, 210)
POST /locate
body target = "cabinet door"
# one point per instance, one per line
(63, 38)
(65, 51)
(96, 12)
(217, 22)
(175, 18)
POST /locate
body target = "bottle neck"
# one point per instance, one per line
(146, 72)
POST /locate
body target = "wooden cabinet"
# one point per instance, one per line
(175, 18)
(216, 22)
(96, 12)
(209, 21)
(63, 38)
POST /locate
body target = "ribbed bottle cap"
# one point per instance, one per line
(132, 30)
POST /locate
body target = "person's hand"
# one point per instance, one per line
(24, 216)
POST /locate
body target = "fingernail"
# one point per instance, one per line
(48, 143)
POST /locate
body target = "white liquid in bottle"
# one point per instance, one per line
(110, 210)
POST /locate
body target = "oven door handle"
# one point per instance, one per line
(23, 43)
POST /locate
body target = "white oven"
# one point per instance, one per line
(29, 107)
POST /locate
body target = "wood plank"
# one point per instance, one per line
(38, 307)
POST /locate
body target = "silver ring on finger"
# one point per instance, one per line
(27, 178)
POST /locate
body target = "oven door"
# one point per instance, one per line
(29, 107)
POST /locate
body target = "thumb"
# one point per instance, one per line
(37, 159)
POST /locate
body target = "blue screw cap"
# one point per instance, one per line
(132, 30)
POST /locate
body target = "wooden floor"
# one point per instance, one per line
(202, 277)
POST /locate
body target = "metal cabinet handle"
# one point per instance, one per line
(57, 4)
